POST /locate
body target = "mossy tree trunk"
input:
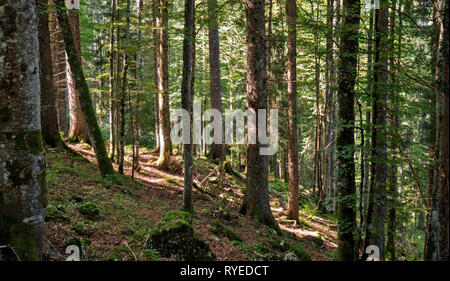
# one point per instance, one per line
(22, 162)
(95, 135)
(345, 142)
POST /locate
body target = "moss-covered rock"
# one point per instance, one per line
(220, 229)
(174, 237)
(55, 213)
(89, 210)
(82, 229)
(318, 242)
(300, 252)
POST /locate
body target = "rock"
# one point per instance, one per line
(300, 252)
(318, 242)
(89, 210)
(174, 237)
(82, 229)
(291, 257)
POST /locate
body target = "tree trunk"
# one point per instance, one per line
(291, 8)
(217, 149)
(377, 198)
(393, 137)
(84, 96)
(59, 71)
(162, 23)
(443, 84)
(49, 122)
(256, 201)
(123, 92)
(112, 83)
(186, 101)
(138, 128)
(345, 135)
(23, 195)
(78, 128)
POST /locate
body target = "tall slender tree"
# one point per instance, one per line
(347, 66)
(217, 149)
(162, 24)
(95, 135)
(443, 89)
(376, 220)
(291, 8)
(186, 101)
(49, 124)
(78, 129)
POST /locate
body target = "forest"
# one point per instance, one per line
(224, 130)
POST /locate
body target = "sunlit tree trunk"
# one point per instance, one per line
(84, 96)
(162, 23)
(78, 129)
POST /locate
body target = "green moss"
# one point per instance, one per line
(300, 252)
(29, 141)
(82, 229)
(89, 210)
(5, 113)
(55, 213)
(24, 242)
(151, 255)
(225, 231)
(173, 221)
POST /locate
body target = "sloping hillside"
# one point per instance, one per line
(112, 218)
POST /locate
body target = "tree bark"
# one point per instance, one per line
(345, 136)
(49, 120)
(78, 129)
(162, 23)
(291, 8)
(376, 219)
(84, 96)
(443, 84)
(123, 92)
(217, 149)
(186, 101)
(256, 200)
(59, 71)
(23, 193)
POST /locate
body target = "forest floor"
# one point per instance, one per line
(112, 218)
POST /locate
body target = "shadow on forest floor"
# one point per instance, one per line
(112, 218)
